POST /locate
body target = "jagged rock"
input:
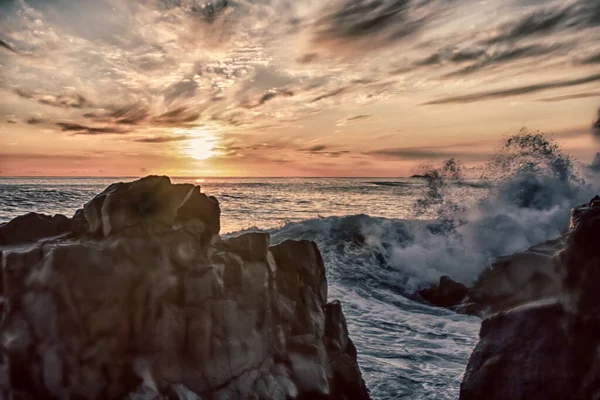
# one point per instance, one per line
(524, 277)
(150, 200)
(144, 307)
(511, 281)
(33, 226)
(546, 351)
(447, 293)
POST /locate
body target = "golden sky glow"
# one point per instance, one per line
(279, 88)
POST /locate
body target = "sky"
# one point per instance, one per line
(289, 87)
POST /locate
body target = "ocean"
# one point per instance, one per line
(382, 240)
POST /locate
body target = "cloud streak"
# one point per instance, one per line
(497, 94)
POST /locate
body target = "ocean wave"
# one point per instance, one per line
(529, 202)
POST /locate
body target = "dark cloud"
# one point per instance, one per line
(570, 97)
(314, 149)
(79, 129)
(333, 93)
(320, 149)
(178, 116)
(35, 121)
(358, 118)
(496, 94)
(379, 21)
(272, 94)
(596, 127)
(594, 59)
(424, 153)
(580, 14)
(183, 89)
(71, 100)
(433, 59)
(308, 58)
(130, 115)
(507, 55)
(162, 139)
(7, 46)
(539, 22)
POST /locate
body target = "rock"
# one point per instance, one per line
(522, 354)
(516, 280)
(150, 200)
(32, 227)
(448, 293)
(546, 350)
(143, 306)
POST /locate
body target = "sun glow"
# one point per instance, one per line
(200, 148)
(201, 144)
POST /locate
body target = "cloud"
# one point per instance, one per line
(358, 118)
(593, 59)
(506, 55)
(320, 149)
(367, 25)
(424, 153)
(570, 97)
(314, 149)
(177, 116)
(5, 45)
(332, 93)
(496, 94)
(538, 22)
(130, 115)
(35, 121)
(162, 139)
(578, 15)
(70, 100)
(79, 129)
(596, 127)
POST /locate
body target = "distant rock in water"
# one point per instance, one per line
(448, 293)
(144, 300)
(547, 350)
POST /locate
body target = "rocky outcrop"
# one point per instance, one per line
(548, 350)
(144, 300)
(32, 227)
(511, 281)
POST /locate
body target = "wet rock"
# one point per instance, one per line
(546, 350)
(447, 293)
(32, 227)
(143, 306)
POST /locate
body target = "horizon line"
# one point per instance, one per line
(197, 177)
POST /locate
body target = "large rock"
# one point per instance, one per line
(32, 227)
(546, 351)
(151, 304)
(511, 281)
(148, 201)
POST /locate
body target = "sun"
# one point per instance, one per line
(200, 148)
(199, 144)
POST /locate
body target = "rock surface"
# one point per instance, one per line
(511, 281)
(550, 350)
(33, 226)
(145, 301)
